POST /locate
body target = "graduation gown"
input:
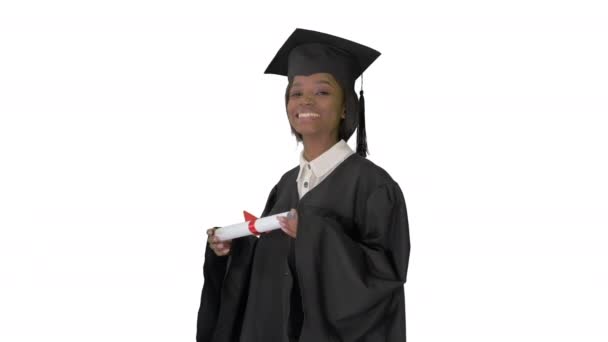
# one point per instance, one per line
(350, 256)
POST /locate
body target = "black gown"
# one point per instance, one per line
(351, 255)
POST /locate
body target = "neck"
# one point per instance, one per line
(314, 147)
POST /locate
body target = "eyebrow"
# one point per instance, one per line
(296, 84)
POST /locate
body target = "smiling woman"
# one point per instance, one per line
(316, 109)
(336, 268)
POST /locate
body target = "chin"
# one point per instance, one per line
(306, 132)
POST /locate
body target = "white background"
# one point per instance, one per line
(128, 127)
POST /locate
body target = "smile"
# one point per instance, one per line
(307, 115)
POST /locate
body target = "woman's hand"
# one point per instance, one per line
(290, 224)
(220, 248)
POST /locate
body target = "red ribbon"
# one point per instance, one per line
(252, 227)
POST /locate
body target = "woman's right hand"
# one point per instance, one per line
(220, 248)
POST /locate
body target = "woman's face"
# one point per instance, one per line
(315, 106)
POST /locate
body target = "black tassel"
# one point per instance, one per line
(361, 137)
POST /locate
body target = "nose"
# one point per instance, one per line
(307, 99)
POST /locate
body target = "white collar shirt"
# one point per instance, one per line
(314, 172)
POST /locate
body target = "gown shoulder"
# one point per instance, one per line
(359, 168)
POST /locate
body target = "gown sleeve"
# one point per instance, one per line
(213, 273)
(225, 286)
(353, 280)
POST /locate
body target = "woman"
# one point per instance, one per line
(336, 268)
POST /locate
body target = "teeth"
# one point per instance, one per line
(308, 115)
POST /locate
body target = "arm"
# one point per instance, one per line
(225, 288)
(214, 269)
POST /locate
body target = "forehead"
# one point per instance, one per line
(320, 77)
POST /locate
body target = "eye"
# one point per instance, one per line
(323, 92)
(295, 93)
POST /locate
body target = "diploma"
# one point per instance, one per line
(252, 226)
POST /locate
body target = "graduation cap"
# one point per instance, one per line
(307, 52)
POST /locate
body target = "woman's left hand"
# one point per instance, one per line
(290, 225)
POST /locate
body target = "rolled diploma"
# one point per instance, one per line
(238, 230)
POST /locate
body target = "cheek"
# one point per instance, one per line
(331, 106)
(290, 107)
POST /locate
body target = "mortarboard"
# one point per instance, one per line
(307, 52)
